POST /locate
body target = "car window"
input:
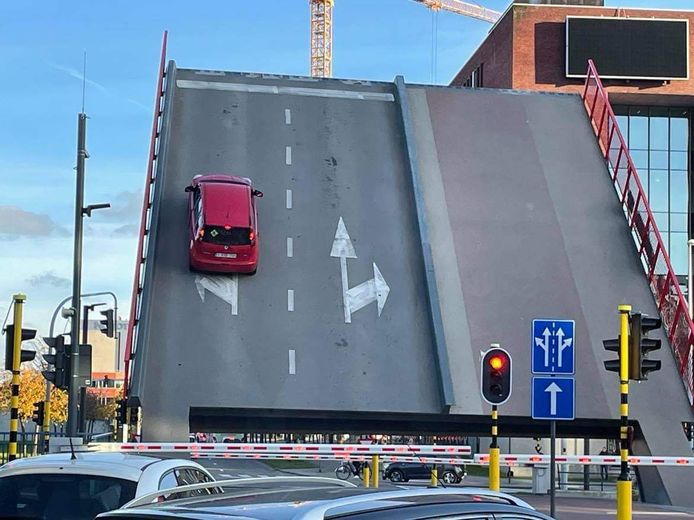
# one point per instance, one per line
(197, 202)
(62, 496)
(227, 236)
(515, 516)
(168, 481)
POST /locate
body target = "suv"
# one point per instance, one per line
(82, 485)
(223, 224)
(404, 471)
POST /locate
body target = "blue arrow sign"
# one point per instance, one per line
(553, 346)
(554, 398)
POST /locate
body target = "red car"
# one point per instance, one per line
(223, 224)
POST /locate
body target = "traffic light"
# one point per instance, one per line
(60, 361)
(37, 415)
(496, 376)
(640, 345)
(106, 325)
(612, 345)
(27, 355)
(122, 411)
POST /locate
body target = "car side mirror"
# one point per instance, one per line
(258, 193)
(189, 189)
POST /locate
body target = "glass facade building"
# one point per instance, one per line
(659, 141)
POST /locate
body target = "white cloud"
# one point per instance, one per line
(50, 279)
(16, 222)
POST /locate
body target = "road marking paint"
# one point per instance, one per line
(290, 300)
(244, 475)
(361, 95)
(287, 116)
(292, 362)
(224, 287)
(289, 199)
(288, 155)
(290, 247)
(224, 475)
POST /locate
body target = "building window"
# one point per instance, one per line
(659, 142)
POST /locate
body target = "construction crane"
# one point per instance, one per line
(321, 38)
(322, 27)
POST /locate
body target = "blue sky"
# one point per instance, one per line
(41, 50)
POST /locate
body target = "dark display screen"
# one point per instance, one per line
(632, 48)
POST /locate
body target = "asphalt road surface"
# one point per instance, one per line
(281, 338)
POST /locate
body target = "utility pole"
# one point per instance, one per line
(73, 387)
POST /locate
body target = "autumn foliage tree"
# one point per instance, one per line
(32, 388)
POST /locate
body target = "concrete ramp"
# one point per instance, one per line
(524, 223)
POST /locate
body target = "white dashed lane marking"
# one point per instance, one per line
(290, 300)
(287, 116)
(292, 362)
(289, 199)
(290, 247)
(288, 155)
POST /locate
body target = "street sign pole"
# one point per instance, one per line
(624, 480)
(552, 466)
(494, 472)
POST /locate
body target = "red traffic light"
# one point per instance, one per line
(497, 362)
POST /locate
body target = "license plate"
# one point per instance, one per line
(225, 255)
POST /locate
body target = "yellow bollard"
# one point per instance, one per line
(375, 471)
(434, 476)
(624, 500)
(494, 473)
(366, 475)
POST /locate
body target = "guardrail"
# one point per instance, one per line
(661, 276)
(145, 219)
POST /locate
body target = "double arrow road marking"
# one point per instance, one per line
(373, 290)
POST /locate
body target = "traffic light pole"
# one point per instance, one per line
(73, 386)
(18, 301)
(494, 473)
(624, 481)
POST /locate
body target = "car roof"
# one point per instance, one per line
(307, 503)
(226, 204)
(118, 465)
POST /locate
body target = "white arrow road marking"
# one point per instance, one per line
(553, 390)
(343, 249)
(225, 288)
(562, 344)
(544, 345)
(374, 290)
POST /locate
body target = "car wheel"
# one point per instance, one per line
(449, 477)
(252, 273)
(396, 476)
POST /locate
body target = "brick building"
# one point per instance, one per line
(527, 49)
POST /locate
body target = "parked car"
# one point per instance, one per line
(58, 486)
(277, 502)
(223, 224)
(404, 471)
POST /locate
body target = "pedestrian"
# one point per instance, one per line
(603, 467)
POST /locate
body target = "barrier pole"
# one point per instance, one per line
(434, 476)
(494, 472)
(366, 475)
(624, 481)
(18, 301)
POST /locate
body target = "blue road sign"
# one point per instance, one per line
(553, 347)
(554, 398)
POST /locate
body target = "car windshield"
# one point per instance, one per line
(233, 236)
(61, 496)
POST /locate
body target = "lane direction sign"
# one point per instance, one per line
(554, 398)
(553, 346)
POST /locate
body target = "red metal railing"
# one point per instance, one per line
(145, 221)
(661, 277)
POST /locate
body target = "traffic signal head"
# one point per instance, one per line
(496, 376)
(612, 345)
(37, 414)
(640, 345)
(58, 360)
(106, 325)
(26, 355)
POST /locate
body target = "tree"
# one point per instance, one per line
(32, 388)
(98, 409)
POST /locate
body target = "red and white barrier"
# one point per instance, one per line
(517, 460)
(352, 457)
(334, 450)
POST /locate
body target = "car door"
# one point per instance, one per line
(422, 471)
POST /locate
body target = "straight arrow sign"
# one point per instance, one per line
(553, 390)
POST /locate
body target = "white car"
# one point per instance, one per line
(57, 487)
